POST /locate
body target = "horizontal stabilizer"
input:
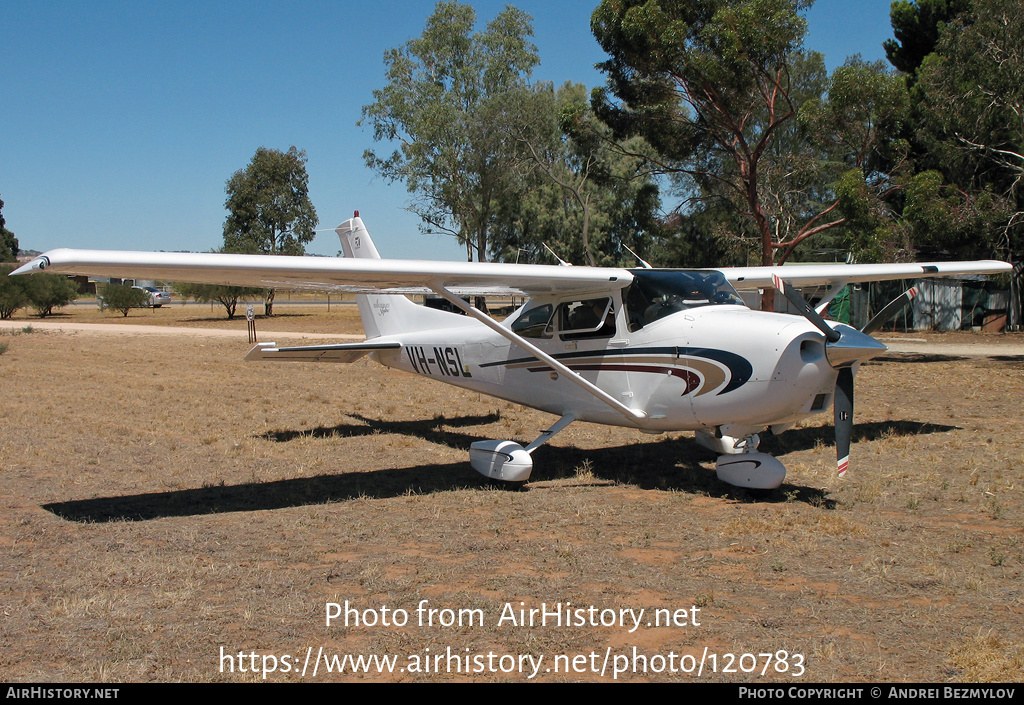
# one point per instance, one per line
(341, 352)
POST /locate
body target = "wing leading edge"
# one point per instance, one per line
(329, 274)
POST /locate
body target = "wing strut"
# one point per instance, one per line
(633, 415)
(547, 435)
(823, 304)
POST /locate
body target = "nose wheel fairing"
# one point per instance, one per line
(756, 471)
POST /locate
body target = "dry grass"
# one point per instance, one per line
(161, 499)
(985, 657)
(306, 313)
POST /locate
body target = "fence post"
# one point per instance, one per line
(250, 317)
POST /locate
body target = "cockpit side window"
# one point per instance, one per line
(534, 323)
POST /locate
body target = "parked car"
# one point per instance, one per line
(156, 298)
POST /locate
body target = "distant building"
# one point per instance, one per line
(962, 303)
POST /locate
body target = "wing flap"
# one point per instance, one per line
(340, 352)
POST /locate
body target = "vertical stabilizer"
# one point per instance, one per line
(355, 240)
(388, 314)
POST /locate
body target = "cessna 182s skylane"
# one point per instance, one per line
(654, 349)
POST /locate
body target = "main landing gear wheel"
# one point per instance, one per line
(507, 460)
(501, 460)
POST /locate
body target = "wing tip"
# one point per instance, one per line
(37, 264)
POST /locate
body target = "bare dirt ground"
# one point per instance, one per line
(166, 508)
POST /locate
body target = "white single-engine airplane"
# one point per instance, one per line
(654, 349)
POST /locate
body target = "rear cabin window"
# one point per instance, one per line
(589, 318)
(572, 320)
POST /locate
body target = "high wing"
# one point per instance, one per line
(749, 278)
(417, 276)
(330, 274)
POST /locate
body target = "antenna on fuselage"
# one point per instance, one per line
(638, 257)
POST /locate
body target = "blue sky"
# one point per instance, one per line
(121, 121)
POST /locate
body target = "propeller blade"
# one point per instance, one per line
(890, 310)
(831, 334)
(843, 405)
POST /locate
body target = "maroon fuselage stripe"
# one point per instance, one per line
(691, 379)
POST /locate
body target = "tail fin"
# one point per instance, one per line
(355, 240)
(388, 314)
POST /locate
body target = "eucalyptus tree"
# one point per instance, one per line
(446, 119)
(916, 27)
(717, 87)
(269, 211)
(856, 127)
(709, 84)
(971, 106)
(588, 197)
(8, 243)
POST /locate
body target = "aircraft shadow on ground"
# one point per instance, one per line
(1007, 358)
(667, 464)
(915, 357)
(937, 357)
(256, 496)
(807, 438)
(431, 430)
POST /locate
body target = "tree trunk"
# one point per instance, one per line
(768, 293)
(765, 230)
(586, 229)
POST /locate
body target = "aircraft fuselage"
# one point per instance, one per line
(692, 370)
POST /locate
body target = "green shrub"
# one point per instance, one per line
(226, 296)
(123, 298)
(49, 291)
(12, 293)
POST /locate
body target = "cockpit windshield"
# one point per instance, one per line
(656, 293)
